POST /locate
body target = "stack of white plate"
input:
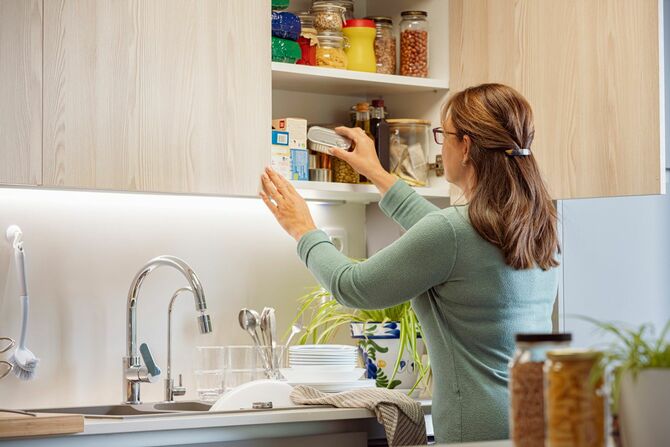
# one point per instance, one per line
(328, 368)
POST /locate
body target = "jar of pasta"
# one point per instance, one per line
(575, 405)
(526, 386)
(330, 52)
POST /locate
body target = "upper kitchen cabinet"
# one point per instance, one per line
(21, 92)
(148, 95)
(591, 70)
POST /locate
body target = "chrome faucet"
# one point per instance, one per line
(134, 373)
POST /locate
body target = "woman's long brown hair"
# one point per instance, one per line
(509, 205)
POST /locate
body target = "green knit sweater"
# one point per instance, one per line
(468, 301)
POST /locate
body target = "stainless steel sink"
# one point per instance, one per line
(182, 406)
(123, 411)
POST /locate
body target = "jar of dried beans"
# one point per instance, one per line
(385, 45)
(328, 16)
(526, 386)
(575, 404)
(414, 44)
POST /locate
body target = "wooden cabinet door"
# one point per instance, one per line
(155, 95)
(590, 69)
(21, 92)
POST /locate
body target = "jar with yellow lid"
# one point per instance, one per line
(575, 406)
(330, 51)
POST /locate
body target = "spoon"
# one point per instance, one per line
(249, 321)
(295, 329)
(272, 323)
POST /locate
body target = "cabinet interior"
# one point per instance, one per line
(329, 97)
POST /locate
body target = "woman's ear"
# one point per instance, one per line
(466, 149)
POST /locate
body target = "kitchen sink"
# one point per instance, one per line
(123, 411)
(182, 406)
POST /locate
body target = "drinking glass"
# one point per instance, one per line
(210, 364)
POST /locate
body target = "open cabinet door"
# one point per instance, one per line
(157, 96)
(591, 69)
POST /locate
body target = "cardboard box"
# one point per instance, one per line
(299, 164)
(281, 154)
(297, 131)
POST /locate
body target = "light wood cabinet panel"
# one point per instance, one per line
(21, 92)
(590, 69)
(153, 95)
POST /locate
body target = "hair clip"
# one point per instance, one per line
(517, 152)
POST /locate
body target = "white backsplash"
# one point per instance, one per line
(82, 251)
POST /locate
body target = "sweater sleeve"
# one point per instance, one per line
(422, 258)
(402, 204)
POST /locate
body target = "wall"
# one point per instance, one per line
(616, 258)
(83, 249)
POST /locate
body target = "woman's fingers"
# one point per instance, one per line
(283, 186)
(270, 189)
(340, 153)
(269, 203)
(356, 133)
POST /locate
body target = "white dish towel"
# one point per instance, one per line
(401, 416)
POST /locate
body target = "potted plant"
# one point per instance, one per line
(638, 364)
(390, 340)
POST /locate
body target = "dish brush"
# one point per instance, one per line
(24, 361)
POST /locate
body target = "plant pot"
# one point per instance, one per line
(644, 407)
(379, 345)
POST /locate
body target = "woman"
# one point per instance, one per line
(478, 273)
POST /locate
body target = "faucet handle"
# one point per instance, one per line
(152, 370)
(179, 390)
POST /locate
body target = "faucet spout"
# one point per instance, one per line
(134, 372)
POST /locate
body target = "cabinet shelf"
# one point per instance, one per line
(362, 193)
(307, 79)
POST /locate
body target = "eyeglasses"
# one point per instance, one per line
(439, 133)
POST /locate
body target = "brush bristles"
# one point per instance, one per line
(24, 372)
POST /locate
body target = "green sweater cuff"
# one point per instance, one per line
(310, 240)
(395, 197)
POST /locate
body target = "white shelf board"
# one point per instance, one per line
(305, 78)
(348, 192)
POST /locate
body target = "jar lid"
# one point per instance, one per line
(359, 23)
(573, 354)
(414, 13)
(323, 5)
(381, 19)
(543, 337)
(330, 34)
(408, 121)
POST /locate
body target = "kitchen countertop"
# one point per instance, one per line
(214, 427)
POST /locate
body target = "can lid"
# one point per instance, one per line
(408, 121)
(573, 354)
(359, 23)
(381, 19)
(558, 337)
(414, 13)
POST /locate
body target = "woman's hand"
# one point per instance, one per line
(288, 207)
(364, 158)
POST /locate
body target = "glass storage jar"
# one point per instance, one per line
(526, 386)
(385, 45)
(307, 40)
(575, 406)
(330, 51)
(328, 16)
(348, 6)
(360, 49)
(414, 44)
(409, 145)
